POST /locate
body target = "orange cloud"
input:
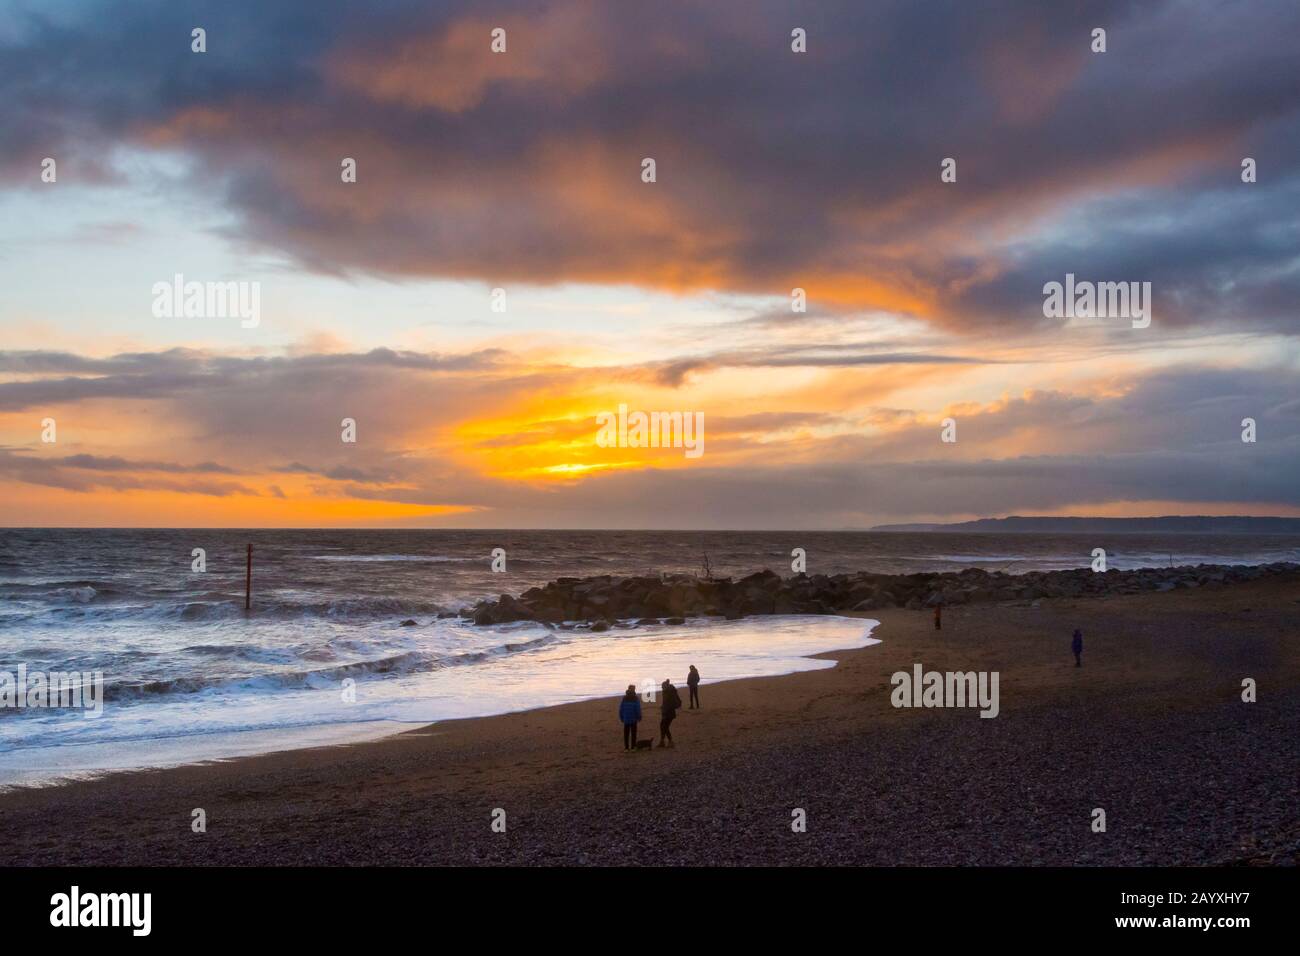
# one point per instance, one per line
(453, 68)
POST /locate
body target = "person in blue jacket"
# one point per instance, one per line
(1076, 645)
(629, 711)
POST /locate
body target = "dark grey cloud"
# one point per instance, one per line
(118, 463)
(772, 166)
(161, 375)
(1222, 256)
(89, 473)
(341, 473)
(677, 372)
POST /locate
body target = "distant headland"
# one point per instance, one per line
(1168, 524)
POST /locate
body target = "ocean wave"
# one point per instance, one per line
(379, 558)
(85, 607)
(75, 591)
(367, 607)
(243, 652)
(311, 678)
(983, 558)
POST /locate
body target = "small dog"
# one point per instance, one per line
(644, 744)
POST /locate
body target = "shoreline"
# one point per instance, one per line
(880, 785)
(169, 751)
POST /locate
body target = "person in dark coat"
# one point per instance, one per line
(629, 711)
(668, 707)
(1076, 645)
(693, 682)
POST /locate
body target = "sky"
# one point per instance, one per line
(500, 273)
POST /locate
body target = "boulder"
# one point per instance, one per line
(673, 598)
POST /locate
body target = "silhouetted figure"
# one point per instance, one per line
(629, 711)
(693, 682)
(938, 617)
(668, 707)
(1076, 645)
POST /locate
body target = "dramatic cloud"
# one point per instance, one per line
(774, 169)
(499, 444)
(87, 473)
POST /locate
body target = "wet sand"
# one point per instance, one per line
(1152, 729)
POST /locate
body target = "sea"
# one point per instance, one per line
(324, 654)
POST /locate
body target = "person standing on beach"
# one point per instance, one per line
(667, 712)
(1076, 645)
(693, 682)
(938, 617)
(629, 711)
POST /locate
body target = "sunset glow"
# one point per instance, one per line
(516, 181)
